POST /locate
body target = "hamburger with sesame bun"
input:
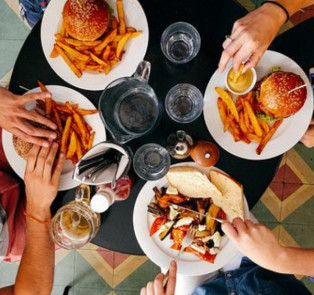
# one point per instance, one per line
(86, 20)
(273, 99)
(22, 147)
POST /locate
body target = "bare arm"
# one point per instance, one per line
(252, 34)
(35, 274)
(258, 243)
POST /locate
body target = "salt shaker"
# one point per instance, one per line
(179, 144)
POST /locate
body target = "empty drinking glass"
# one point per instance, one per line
(180, 42)
(184, 103)
(151, 161)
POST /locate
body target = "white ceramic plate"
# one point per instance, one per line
(135, 49)
(60, 94)
(159, 251)
(289, 132)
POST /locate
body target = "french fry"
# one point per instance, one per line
(221, 110)
(76, 54)
(242, 123)
(54, 53)
(130, 30)
(135, 34)
(109, 38)
(228, 101)
(106, 53)
(62, 30)
(264, 125)
(97, 60)
(83, 112)
(72, 66)
(235, 136)
(48, 100)
(91, 140)
(121, 25)
(227, 122)
(65, 135)
(78, 120)
(244, 139)
(237, 74)
(234, 126)
(114, 23)
(257, 128)
(121, 44)
(79, 152)
(72, 146)
(253, 137)
(57, 117)
(268, 136)
(88, 127)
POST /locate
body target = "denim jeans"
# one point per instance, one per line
(251, 279)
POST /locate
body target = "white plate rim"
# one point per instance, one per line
(281, 141)
(60, 94)
(142, 225)
(135, 48)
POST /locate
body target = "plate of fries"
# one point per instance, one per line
(92, 65)
(79, 119)
(233, 124)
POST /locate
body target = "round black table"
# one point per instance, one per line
(214, 20)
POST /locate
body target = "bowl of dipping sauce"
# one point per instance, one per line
(238, 83)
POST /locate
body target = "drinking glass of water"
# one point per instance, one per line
(184, 103)
(151, 161)
(180, 42)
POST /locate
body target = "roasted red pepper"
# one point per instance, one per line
(158, 222)
(164, 200)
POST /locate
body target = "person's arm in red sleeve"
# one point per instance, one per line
(36, 271)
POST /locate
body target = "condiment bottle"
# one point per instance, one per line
(179, 144)
(106, 195)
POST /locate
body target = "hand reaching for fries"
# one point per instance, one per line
(14, 117)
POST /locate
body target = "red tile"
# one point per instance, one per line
(290, 176)
(119, 258)
(279, 177)
(289, 188)
(108, 256)
(277, 188)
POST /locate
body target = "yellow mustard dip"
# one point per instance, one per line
(243, 82)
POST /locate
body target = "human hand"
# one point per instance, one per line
(251, 36)
(156, 287)
(14, 116)
(255, 241)
(42, 180)
(308, 137)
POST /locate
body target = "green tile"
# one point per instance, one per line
(139, 278)
(304, 214)
(307, 154)
(262, 214)
(308, 284)
(64, 271)
(9, 51)
(90, 291)
(87, 277)
(8, 273)
(11, 26)
(302, 234)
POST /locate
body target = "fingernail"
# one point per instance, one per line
(173, 263)
(54, 145)
(45, 144)
(53, 136)
(61, 156)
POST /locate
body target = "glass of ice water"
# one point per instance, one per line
(151, 161)
(184, 103)
(180, 42)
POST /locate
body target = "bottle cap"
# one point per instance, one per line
(100, 203)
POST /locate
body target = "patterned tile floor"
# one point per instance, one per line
(287, 206)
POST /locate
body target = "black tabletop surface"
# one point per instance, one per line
(213, 19)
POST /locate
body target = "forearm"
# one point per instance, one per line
(293, 6)
(296, 261)
(35, 275)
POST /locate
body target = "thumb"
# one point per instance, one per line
(34, 96)
(229, 230)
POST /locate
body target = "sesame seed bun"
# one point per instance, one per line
(21, 147)
(275, 97)
(86, 20)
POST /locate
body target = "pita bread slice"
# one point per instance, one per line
(232, 194)
(189, 181)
